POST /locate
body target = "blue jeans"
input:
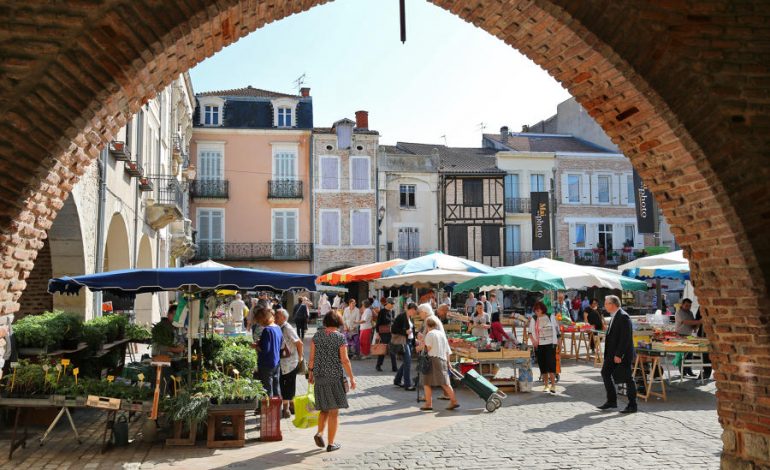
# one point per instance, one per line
(271, 380)
(405, 370)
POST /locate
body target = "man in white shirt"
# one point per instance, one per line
(236, 309)
(446, 300)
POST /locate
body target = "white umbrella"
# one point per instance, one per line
(424, 278)
(208, 264)
(674, 257)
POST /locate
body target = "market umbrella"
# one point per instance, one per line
(365, 272)
(664, 271)
(437, 260)
(433, 277)
(663, 259)
(548, 274)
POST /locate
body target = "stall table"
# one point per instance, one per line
(518, 359)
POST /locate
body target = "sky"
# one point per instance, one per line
(439, 87)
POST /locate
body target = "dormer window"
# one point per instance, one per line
(285, 112)
(211, 115)
(211, 111)
(284, 117)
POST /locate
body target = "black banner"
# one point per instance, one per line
(541, 221)
(645, 206)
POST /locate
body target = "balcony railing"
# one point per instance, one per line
(167, 191)
(406, 254)
(254, 251)
(285, 189)
(209, 189)
(512, 258)
(599, 257)
(517, 205)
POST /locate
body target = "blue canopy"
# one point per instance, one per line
(679, 271)
(436, 260)
(143, 281)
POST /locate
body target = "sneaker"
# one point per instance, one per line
(553, 389)
(546, 388)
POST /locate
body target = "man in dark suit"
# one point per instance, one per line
(618, 356)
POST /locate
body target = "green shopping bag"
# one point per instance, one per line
(678, 358)
(305, 414)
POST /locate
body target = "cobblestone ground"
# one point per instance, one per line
(383, 429)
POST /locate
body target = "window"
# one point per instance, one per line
(537, 182)
(210, 164)
(511, 186)
(580, 235)
(512, 245)
(630, 232)
(457, 239)
(330, 173)
(605, 237)
(490, 240)
(285, 233)
(573, 185)
(284, 161)
(360, 227)
(406, 192)
(330, 227)
(284, 117)
(359, 174)
(211, 233)
(408, 242)
(604, 189)
(211, 115)
(473, 192)
(630, 189)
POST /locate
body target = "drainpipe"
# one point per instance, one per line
(100, 229)
(311, 152)
(378, 222)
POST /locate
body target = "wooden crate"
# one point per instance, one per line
(488, 355)
(515, 354)
(180, 439)
(215, 426)
(105, 403)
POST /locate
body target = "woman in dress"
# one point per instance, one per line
(365, 330)
(436, 343)
(544, 339)
(328, 358)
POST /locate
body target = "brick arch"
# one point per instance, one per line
(682, 88)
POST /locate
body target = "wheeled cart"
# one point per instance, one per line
(482, 387)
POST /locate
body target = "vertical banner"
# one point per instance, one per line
(645, 206)
(541, 221)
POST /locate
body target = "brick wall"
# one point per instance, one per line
(36, 298)
(680, 87)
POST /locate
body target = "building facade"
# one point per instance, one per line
(408, 197)
(127, 211)
(250, 200)
(345, 211)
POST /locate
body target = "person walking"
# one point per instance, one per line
(384, 321)
(365, 330)
(292, 357)
(350, 318)
(470, 304)
(324, 307)
(618, 356)
(301, 316)
(402, 336)
(592, 316)
(327, 366)
(438, 351)
(269, 353)
(236, 308)
(544, 333)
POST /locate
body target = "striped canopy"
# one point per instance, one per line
(366, 272)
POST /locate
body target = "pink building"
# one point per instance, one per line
(250, 201)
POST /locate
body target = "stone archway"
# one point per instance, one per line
(143, 303)
(117, 249)
(68, 257)
(682, 88)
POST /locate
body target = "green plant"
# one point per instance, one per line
(163, 334)
(94, 333)
(116, 326)
(48, 330)
(185, 406)
(138, 332)
(237, 356)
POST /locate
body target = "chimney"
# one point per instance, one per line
(504, 134)
(524, 128)
(362, 119)
(304, 91)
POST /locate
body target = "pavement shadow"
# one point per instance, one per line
(577, 422)
(279, 458)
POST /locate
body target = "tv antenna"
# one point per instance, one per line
(299, 81)
(481, 126)
(444, 137)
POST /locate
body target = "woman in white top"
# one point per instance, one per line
(365, 326)
(324, 307)
(350, 318)
(480, 322)
(438, 353)
(544, 336)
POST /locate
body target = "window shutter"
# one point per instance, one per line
(204, 225)
(360, 221)
(290, 222)
(330, 223)
(615, 189)
(490, 240)
(329, 173)
(572, 236)
(565, 188)
(278, 226)
(359, 170)
(457, 240)
(585, 190)
(594, 189)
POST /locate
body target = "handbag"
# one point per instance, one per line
(383, 329)
(425, 364)
(379, 349)
(305, 414)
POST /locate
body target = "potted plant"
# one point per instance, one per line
(145, 184)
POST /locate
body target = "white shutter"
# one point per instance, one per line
(329, 173)
(330, 228)
(623, 189)
(592, 235)
(360, 230)
(359, 171)
(279, 226)
(204, 225)
(291, 226)
(565, 188)
(572, 237)
(217, 226)
(615, 190)
(585, 190)
(594, 189)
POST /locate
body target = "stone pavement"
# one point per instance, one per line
(384, 429)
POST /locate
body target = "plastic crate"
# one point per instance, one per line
(270, 419)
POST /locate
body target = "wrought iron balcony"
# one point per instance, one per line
(254, 251)
(284, 189)
(406, 254)
(512, 258)
(517, 205)
(602, 257)
(209, 189)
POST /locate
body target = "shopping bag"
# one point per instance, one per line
(305, 414)
(379, 349)
(678, 357)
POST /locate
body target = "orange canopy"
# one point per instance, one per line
(366, 272)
